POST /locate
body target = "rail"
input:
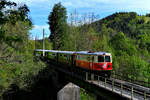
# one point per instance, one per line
(120, 87)
(135, 81)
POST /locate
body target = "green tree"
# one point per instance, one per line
(3, 5)
(58, 23)
(143, 41)
(71, 38)
(122, 44)
(15, 31)
(148, 15)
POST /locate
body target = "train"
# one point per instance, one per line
(97, 62)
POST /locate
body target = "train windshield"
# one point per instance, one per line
(100, 58)
(107, 58)
(104, 59)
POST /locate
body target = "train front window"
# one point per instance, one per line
(100, 58)
(107, 58)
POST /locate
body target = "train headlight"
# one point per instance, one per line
(104, 66)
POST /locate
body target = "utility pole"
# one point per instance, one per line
(43, 42)
(35, 42)
(71, 15)
(92, 17)
(89, 15)
(84, 18)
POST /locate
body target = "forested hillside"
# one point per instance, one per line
(130, 43)
(125, 35)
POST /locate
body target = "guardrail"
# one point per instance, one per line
(120, 76)
(119, 86)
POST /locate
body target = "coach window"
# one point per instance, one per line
(107, 58)
(100, 58)
(78, 57)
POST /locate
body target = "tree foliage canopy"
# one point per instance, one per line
(16, 59)
(124, 35)
(57, 22)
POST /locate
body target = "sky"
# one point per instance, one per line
(40, 10)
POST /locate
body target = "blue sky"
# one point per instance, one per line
(40, 9)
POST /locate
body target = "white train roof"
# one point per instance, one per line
(76, 52)
(92, 53)
(56, 51)
(46, 50)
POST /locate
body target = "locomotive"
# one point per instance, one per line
(97, 62)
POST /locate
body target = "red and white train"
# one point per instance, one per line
(98, 62)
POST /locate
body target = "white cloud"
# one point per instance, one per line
(40, 27)
(21, 1)
(37, 31)
(98, 3)
(117, 1)
(90, 3)
(31, 2)
(66, 4)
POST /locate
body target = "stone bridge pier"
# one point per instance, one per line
(69, 92)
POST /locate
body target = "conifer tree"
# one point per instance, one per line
(57, 22)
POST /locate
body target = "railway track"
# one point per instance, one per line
(124, 88)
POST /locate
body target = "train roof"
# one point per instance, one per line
(74, 52)
(92, 53)
(56, 51)
(45, 50)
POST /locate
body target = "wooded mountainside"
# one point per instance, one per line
(129, 42)
(126, 35)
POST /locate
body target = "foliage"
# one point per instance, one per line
(124, 35)
(39, 44)
(122, 44)
(16, 50)
(71, 38)
(58, 25)
(3, 5)
(84, 95)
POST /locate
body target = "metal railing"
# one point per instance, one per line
(118, 75)
(118, 87)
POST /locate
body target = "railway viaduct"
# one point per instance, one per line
(55, 76)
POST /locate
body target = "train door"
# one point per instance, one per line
(73, 59)
(91, 60)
